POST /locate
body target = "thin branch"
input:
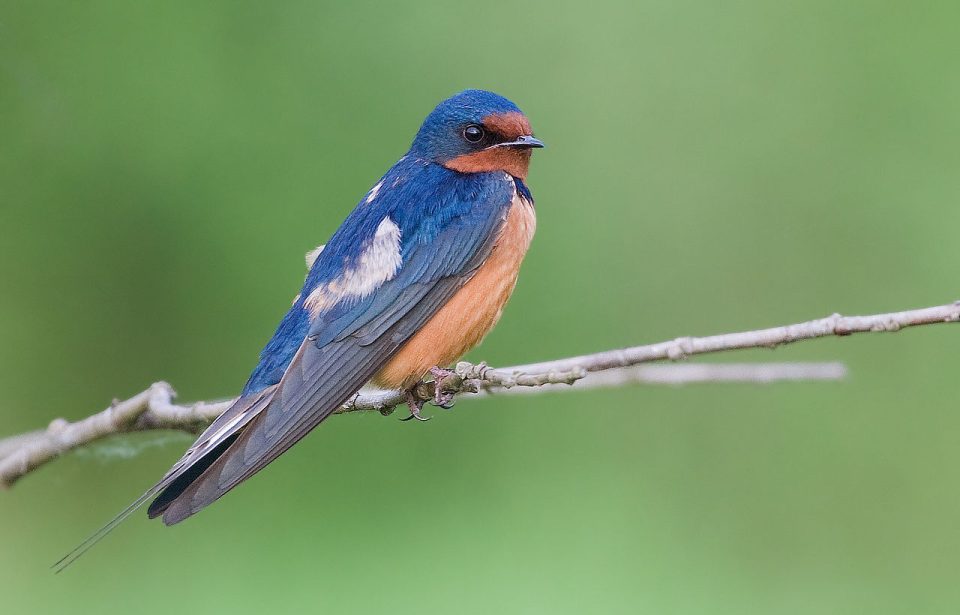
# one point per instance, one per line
(683, 347)
(702, 373)
(155, 408)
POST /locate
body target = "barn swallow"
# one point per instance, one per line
(415, 276)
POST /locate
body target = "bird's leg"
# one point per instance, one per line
(443, 396)
(415, 404)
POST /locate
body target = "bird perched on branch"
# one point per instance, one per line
(415, 276)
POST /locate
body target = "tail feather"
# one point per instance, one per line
(184, 480)
(207, 449)
(97, 536)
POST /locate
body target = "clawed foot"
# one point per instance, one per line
(444, 399)
(441, 397)
(415, 405)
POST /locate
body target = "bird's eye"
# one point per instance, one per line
(473, 133)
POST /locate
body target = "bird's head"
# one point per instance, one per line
(477, 131)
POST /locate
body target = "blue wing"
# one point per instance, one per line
(448, 223)
(422, 200)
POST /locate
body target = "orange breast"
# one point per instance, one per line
(470, 314)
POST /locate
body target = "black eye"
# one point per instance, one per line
(473, 133)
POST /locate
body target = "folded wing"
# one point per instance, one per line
(347, 344)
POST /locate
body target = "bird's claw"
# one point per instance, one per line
(416, 415)
(415, 405)
(446, 402)
(442, 397)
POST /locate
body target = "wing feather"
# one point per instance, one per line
(212, 442)
(345, 347)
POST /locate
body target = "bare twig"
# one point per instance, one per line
(682, 374)
(154, 408)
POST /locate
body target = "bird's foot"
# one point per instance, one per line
(415, 404)
(443, 396)
(446, 384)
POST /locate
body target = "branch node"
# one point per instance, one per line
(680, 348)
(57, 426)
(889, 326)
(469, 371)
(164, 391)
(577, 373)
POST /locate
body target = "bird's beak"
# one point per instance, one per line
(521, 142)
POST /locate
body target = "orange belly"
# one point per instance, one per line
(472, 311)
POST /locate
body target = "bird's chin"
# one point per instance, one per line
(514, 160)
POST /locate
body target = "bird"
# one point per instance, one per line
(415, 276)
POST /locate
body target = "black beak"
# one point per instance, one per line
(522, 142)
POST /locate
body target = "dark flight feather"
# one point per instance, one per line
(202, 453)
(345, 348)
(448, 223)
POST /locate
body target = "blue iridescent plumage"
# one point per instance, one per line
(415, 178)
(442, 195)
(441, 234)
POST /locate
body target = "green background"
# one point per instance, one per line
(711, 167)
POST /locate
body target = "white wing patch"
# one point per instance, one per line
(374, 192)
(311, 256)
(377, 264)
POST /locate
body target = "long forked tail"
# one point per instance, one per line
(97, 536)
(208, 447)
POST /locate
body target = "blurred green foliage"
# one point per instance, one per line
(711, 167)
